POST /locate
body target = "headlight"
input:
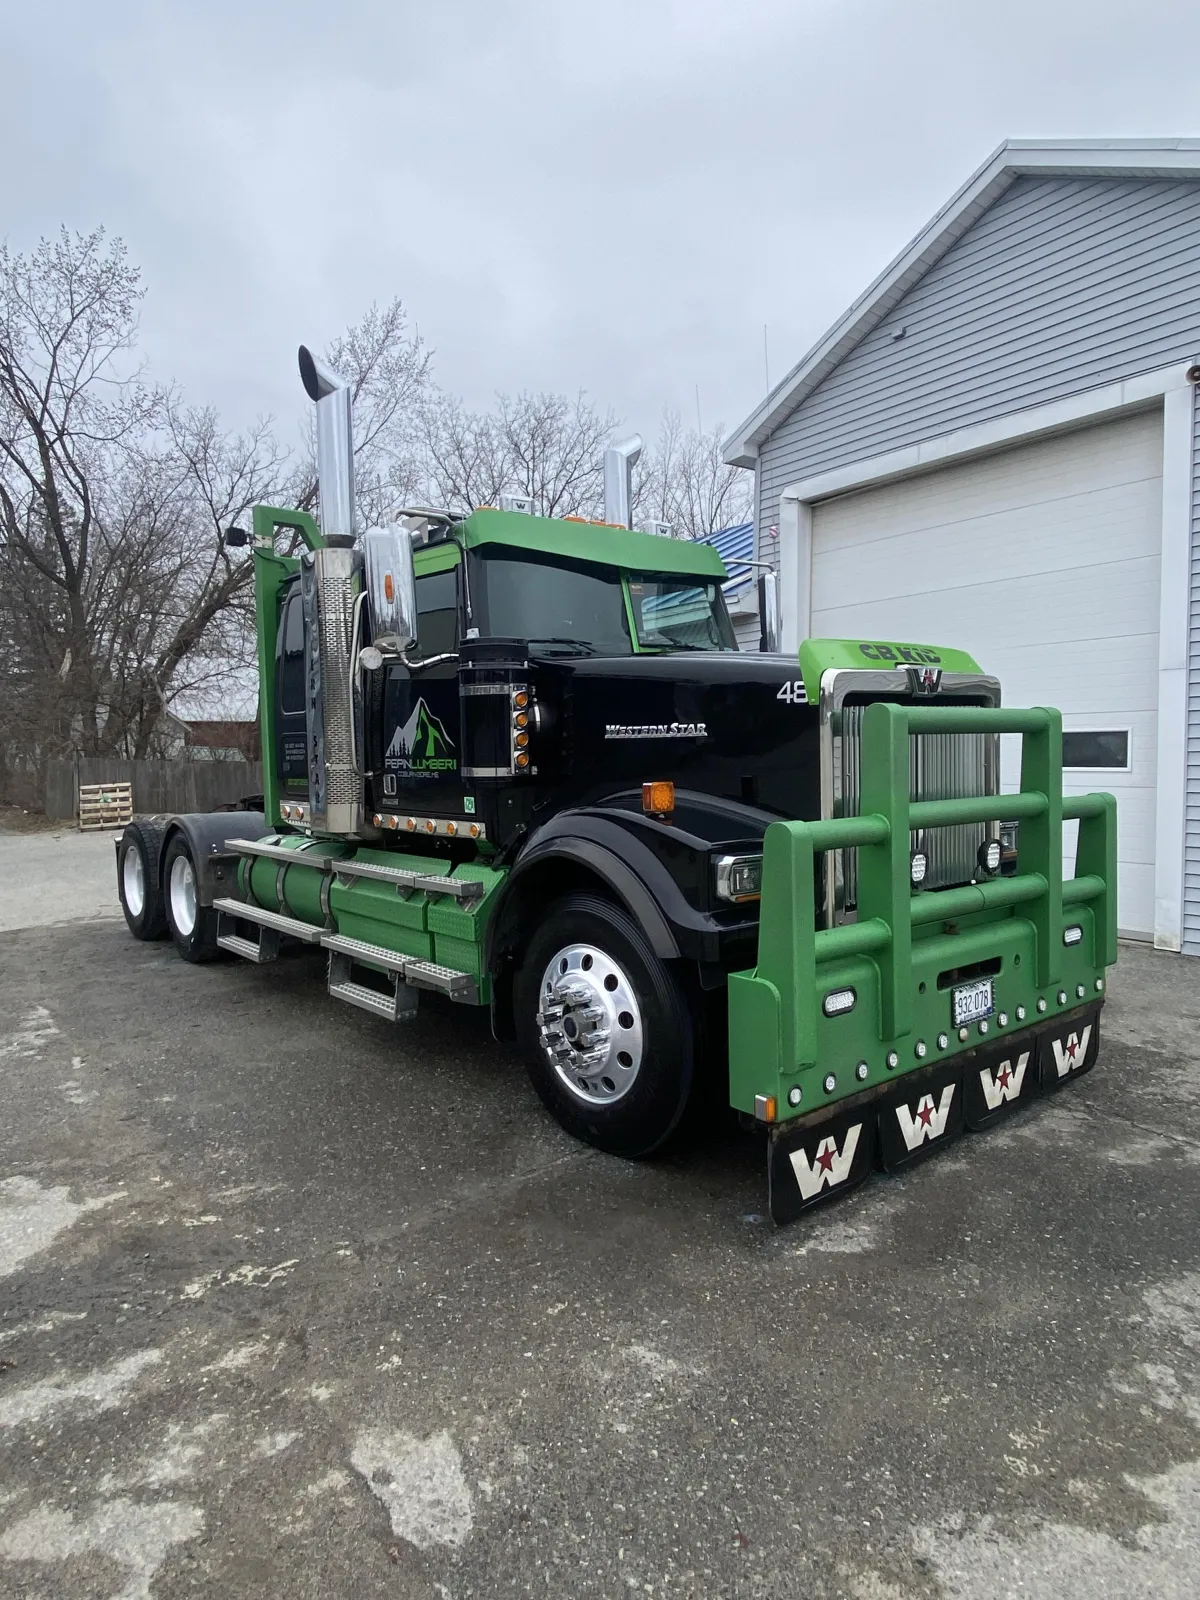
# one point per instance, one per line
(739, 878)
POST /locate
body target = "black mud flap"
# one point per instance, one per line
(925, 1114)
(1068, 1048)
(806, 1166)
(998, 1080)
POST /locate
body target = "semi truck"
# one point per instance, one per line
(520, 762)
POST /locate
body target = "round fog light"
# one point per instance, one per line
(794, 1095)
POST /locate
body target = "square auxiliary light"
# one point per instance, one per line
(658, 799)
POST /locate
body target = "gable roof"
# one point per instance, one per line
(1015, 158)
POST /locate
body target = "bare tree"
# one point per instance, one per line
(685, 481)
(113, 498)
(546, 446)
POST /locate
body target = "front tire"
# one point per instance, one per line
(137, 879)
(605, 1028)
(193, 926)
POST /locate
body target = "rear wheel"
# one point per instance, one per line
(605, 1028)
(137, 879)
(193, 926)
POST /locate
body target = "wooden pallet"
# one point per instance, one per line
(105, 805)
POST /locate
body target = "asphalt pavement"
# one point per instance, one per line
(297, 1303)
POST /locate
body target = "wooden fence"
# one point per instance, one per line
(157, 785)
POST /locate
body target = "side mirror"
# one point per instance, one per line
(391, 588)
(769, 613)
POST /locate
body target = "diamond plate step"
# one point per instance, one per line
(357, 994)
(246, 948)
(292, 926)
(419, 974)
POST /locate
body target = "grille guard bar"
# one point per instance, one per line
(774, 1018)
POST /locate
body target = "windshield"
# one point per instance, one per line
(680, 614)
(561, 606)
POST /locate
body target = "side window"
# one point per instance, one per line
(437, 613)
(291, 658)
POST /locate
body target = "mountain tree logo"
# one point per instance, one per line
(422, 743)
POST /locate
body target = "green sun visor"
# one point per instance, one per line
(880, 655)
(592, 541)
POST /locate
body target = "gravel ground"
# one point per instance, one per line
(294, 1303)
(53, 873)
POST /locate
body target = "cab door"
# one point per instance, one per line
(421, 758)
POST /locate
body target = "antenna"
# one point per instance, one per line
(766, 360)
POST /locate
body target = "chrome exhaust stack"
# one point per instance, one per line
(331, 584)
(335, 444)
(619, 461)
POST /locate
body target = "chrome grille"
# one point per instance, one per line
(942, 766)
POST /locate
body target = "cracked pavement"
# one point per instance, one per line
(295, 1303)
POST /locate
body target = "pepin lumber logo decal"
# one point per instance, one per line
(421, 747)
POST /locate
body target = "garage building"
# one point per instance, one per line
(998, 447)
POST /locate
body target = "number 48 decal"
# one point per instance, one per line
(793, 692)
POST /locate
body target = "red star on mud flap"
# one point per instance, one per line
(1072, 1053)
(829, 1166)
(929, 1119)
(1004, 1083)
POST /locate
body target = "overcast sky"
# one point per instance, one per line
(608, 196)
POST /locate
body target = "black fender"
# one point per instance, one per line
(206, 833)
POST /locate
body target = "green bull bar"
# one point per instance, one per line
(876, 1042)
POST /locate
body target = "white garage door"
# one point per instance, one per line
(1043, 562)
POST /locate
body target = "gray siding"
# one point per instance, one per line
(1062, 285)
(1191, 845)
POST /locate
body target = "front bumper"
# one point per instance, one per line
(815, 1158)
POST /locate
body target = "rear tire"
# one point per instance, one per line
(193, 926)
(138, 883)
(605, 1028)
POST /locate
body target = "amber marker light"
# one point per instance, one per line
(520, 699)
(389, 588)
(658, 799)
(473, 830)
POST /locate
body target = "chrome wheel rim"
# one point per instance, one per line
(183, 896)
(133, 881)
(590, 1025)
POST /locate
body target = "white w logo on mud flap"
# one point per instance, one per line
(928, 1121)
(1005, 1083)
(828, 1166)
(1073, 1053)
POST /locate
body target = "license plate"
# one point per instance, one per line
(970, 1001)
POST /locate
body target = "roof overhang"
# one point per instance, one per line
(1016, 158)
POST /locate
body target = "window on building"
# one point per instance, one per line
(1105, 748)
